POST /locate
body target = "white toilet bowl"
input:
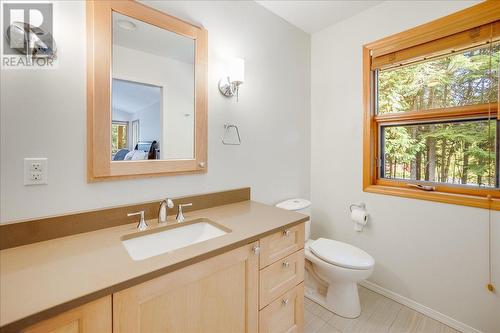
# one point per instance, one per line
(333, 268)
(341, 282)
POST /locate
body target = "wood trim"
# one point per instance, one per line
(483, 13)
(470, 18)
(459, 112)
(460, 41)
(90, 88)
(443, 188)
(99, 57)
(368, 123)
(449, 198)
(42, 229)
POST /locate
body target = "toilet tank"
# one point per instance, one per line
(301, 206)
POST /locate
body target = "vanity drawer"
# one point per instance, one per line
(280, 244)
(277, 278)
(285, 314)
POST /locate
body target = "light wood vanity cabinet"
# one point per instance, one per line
(219, 295)
(242, 290)
(89, 318)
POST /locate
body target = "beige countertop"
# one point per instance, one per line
(42, 279)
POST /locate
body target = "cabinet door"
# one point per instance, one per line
(285, 314)
(217, 295)
(89, 318)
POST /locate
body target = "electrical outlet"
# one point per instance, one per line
(35, 171)
(36, 166)
(36, 176)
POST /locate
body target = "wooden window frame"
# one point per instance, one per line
(466, 27)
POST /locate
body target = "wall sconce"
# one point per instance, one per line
(229, 86)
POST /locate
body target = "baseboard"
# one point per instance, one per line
(453, 323)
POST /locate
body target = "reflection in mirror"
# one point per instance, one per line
(152, 92)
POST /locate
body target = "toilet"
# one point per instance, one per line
(333, 268)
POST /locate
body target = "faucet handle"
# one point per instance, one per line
(180, 215)
(142, 225)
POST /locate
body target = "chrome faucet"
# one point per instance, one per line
(180, 216)
(142, 225)
(163, 211)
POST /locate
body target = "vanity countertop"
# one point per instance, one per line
(43, 279)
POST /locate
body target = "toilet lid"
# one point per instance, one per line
(341, 254)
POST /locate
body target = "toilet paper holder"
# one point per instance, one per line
(361, 205)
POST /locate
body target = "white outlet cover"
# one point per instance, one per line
(31, 172)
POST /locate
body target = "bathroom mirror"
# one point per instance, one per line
(152, 92)
(146, 92)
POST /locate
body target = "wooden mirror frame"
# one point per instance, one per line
(99, 75)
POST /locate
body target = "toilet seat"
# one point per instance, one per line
(341, 254)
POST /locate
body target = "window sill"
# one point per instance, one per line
(450, 198)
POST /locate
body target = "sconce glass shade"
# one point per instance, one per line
(229, 85)
(236, 70)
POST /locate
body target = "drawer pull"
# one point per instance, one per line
(284, 301)
(286, 233)
(286, 264)
(256, 249)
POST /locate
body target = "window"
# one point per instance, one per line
(431, 110)
(458, 152)
(119, 136)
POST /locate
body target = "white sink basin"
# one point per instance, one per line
(161, 240)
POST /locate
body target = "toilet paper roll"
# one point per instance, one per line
(359, 216)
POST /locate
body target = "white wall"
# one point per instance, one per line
(435, 254)
(43, 113)
(149, 122)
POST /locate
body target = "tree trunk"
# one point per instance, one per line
(480, 176)
(431, 146)
(444, 169)
(465, 168)
(418, 166)
(413, 163)
(430, 172)
(448, 162)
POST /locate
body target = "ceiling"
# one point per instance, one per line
(131, 96)
(313, 16)
(151, 39)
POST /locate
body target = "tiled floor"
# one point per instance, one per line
(379, 314)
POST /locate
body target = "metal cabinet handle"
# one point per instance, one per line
(286, 233)
(284, 301)
(256, 249)
(286, 264)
